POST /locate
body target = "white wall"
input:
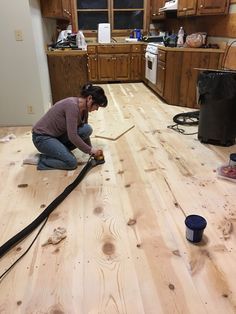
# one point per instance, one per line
(23, 64)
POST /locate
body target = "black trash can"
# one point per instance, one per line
(217, 99)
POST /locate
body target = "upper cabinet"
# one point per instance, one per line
(202, 7)
(155, 6)
(187, 7)
(60, 9)
(212, 7)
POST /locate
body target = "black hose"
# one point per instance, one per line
(187, 118)
(48, 210)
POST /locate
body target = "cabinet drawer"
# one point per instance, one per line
(161, 55)
(113, 49)
(136, 48)
(91, 49)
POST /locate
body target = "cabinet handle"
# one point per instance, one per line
(163, 68)
(201, 6)
(154, 14)
(184, 9)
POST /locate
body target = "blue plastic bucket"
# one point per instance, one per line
(195, 226)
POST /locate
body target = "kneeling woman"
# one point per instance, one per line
(65, 127)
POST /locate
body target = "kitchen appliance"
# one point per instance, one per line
(170, 5)
(104, 33)
(151, 57)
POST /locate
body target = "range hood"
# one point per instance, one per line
(169, 6)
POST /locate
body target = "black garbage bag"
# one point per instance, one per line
(217, 85)
(217, 99)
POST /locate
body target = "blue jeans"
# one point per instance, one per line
(56, 151)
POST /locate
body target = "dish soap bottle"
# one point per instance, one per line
(180, 41)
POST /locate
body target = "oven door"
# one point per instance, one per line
(151, 67)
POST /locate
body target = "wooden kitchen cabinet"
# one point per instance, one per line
(113, 62)
(136, 63)
(113, 67)
(155, 6)
(177, 74)
(161, 70)
(68, 73)
(60, 9)
(187, 7)
(212, 7)
(116, 62)
(143, 62)
(92, 63)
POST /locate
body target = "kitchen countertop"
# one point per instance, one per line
(177, 49)
(69, 51)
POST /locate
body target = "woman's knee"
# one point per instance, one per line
(72, 163)
(85, 131)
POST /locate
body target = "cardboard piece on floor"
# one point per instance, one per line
(112, 131)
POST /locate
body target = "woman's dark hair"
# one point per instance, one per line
(97, 93)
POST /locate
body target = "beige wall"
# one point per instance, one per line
(23, 64)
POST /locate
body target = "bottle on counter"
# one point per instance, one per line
(80, 41)
(180, 40)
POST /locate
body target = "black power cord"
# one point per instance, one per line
(43, 217)
(187, 119)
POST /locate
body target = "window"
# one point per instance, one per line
(121, 14)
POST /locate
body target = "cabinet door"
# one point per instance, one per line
(92, 68)
(106, 67)
(67, 75)
(122, 66)
(143, 63)
(155, 6)
(212, 7)
(187, 7)
(66, 7)
(135, 67)
(161, 69)
(60, 9)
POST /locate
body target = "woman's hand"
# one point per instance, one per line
(96, 152)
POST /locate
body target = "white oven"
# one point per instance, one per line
(151, 57)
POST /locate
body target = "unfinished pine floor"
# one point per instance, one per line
(125, 250)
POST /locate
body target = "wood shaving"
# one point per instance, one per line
(58, 234)
(226, 228)
(7, 138)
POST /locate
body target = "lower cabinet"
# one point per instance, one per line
(113, 67)
(92, 68)
(161, 70)
(177, 73)
(68, 73)
(118, 62)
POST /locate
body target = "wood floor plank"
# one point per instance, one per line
(126, 249)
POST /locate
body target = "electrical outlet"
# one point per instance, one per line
(30, 109)
(18, 35)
